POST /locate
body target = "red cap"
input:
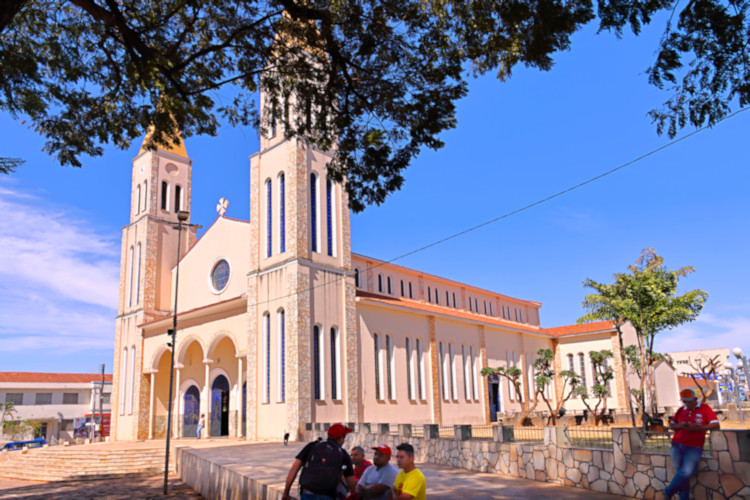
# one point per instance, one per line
(385, 450)
(337, 430)
(687, 395)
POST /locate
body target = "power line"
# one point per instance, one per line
(516, 211)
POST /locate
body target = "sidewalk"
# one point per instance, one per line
(267, 465)
(110, 489)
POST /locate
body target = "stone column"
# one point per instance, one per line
(206, 396)
(176, 420)
(435, 366)
(239, 396)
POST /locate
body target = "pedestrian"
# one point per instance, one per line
(690, 424)
(201, 425)
(410, 482)
(323, 463)
(359, 462)
(377, 481)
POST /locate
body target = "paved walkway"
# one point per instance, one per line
(268, 463)
(111, 489)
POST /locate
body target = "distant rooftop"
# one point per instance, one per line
(58, 378)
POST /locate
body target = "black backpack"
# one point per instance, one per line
(321, 472)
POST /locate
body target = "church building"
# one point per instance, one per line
(280, 324)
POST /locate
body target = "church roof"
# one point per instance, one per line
(177, 149)
(57, 378)
(595, 327)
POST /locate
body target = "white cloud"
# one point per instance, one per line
(709, 331)
(59, 279)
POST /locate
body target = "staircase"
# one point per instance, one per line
(85, 462)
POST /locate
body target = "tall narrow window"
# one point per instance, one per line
(330, 218)
(177, 199)
(467, 373)
(145, 195)
(420, 370)
(390, 289)
(123, 379)
(131, 383)
(443, 371)
(314, 212)
(476, 305)
(335, 375)
(138, 275)
(316, 362)
(454, 299)
(130, 277)
(282, 213)
(138, 198)
(269, 219)
(281, 343)
(520, 316)
(402, 288)
(485, 307)
(409, 372)
(474, 371)
(429, 294)
(582, 366)
(454, 390)
(571, 363)
(266, 346)
(447, 298)
(380, 283)
(491, 312)
(356, 277)
(164, 195)
(471, 307)
(378, 371)
(437, 296)
(391, 375)
(411, 291)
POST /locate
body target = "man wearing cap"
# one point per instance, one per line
(690, 424)
(322, 463)
(377, 481)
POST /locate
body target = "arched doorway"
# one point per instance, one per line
(220, 406)
(191, 412)
(493, 385)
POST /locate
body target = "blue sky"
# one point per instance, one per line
(516, 142)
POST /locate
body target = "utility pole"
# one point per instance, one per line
(101, 406)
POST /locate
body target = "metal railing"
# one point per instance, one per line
(528, 434)
(589, 437)
(482, 431)
(447, 432)
(417, 431)
(661, 442)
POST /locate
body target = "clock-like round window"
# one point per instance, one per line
(220, 275)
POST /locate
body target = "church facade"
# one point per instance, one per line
(281, 324)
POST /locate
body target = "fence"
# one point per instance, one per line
(661, 442)
(582, 437)
(446, 432)
(528, 434)
(482, 431)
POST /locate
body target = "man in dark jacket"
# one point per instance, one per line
(322, 463)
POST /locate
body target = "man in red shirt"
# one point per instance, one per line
(360, 464)
(690, 424)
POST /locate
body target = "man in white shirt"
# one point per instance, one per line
(377, 480)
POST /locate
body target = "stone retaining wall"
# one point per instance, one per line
(627, 469)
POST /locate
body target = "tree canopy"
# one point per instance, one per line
(374, 81)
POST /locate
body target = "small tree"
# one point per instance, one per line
(544, 376)
(706, 368)
(602, 374)
(513, 375)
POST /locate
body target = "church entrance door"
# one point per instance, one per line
(493, 384)
(220, 406)
(191, 413)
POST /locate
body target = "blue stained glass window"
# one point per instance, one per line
(282, 347)
(220, 275)
(316, 361)
(329, 220)
(314, 212)
(269, 219)
(334, 394)
(268, 358)
(282, 215)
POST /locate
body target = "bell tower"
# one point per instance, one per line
(300, 291)
(160, 188)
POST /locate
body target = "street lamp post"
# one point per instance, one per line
(182, 216)
(744, 365)
(736, 389)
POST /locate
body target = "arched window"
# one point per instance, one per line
(314, 219)
(447, 298)
(266, 346)
(138, 275)
(476, 305)
(318, 362)
(131, 383)
(471, 307)
(491, 312)
(164, 195)
(123, 379)
(138, 198)
(356, 277)
(331, 217)
(177, 199)
(390, 289)
(437, 296)
(380, 283)
(571, 363)
(130, 277)
(454, 299)
(582, 366)
(390, 368)
(335, 358)
(282, 214)
(281, 343)
(269, 218)
(429, 294)
(485, 307)
(145, 195)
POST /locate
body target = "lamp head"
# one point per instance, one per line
(740, 364)
(728, 366)
(737, 352)
(183, 215)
